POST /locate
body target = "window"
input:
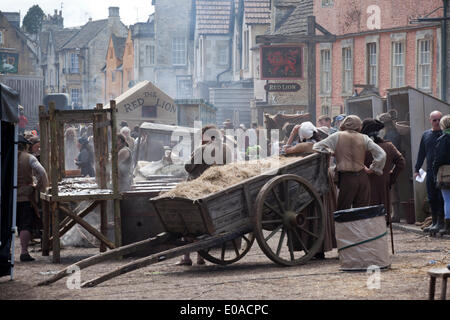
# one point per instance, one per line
(184, 90)
(149, 111)
(76, 96)
(347, 66)
(222, 54)
(179, 51)
(150, 55)
(325, 71)
(327, 3)
(74, 67)
(111, 53)
(398, 64)
(372, 64)
(113, 76)
(1, 37)
(424, 64)
(246, 49)
(326, 110)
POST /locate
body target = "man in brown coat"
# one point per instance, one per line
(380, 185)
(349, 147)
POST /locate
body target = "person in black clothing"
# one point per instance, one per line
(85, 160)
(442, 158)
(427, 151)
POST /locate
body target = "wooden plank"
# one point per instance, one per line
(45, 228)
(56, 257)
(115, 173)
(90, 229)
(44, 137)
(168, 254)
(66, 227)
(114, 253)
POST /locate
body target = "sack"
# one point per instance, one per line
(443, 176)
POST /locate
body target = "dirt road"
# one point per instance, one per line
(254, 277)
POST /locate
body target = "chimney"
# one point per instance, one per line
(114, 12)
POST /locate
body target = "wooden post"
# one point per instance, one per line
(61, 150)
(46, 228)
(43, 128)
(99, 143)
(115, 175)
(312, 70)
(54, 171)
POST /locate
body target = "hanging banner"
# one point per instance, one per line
(9, 62)
(281, 62)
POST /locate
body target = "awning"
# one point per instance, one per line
(9, 101)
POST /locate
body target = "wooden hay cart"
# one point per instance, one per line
(281, 208)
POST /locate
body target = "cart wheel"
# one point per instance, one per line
(230, 251)
(289, 220)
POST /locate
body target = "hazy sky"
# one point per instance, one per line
(78, 12)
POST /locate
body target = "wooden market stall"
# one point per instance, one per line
(64, 190)
(413, 108)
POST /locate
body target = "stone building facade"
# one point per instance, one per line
(174, 46)
(82, 59)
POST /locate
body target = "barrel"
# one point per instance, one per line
(362, 238)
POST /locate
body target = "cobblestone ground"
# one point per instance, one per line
(253, 277)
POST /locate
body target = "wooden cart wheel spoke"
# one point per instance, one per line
(280, 204)
(235, 246)
(272, 221)
(224, 248)
(303, 224)
(301, 241)
(230, 251)
(286, 195)
(273, 232)
(291, 246)
(273, 209)
(305, 205)
(309, 232)
(280, 243)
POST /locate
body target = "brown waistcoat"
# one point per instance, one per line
(24, 177)
(350, 151)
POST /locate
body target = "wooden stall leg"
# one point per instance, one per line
(432, 288)
(103, 224)
(117, 224)
(444, 288)
(45, 229)
(55, 230)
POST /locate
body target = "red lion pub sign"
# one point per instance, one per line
(281, 62)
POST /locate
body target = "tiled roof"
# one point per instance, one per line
(86, 34)
(60, 37)
(214, 16)
(297, 21)
(287, 3)
(257, 11)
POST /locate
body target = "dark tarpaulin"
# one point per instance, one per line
(9, 100)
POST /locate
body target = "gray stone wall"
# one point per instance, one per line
(172, 19)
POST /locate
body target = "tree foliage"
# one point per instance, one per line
(32, 22)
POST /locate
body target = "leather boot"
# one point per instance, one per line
(433, 223)
(446, 229)
(439, 224)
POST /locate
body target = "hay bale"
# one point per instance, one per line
(218, 178)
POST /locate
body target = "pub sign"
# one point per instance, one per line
(281, 62)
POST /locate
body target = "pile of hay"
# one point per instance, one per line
(218, 178)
